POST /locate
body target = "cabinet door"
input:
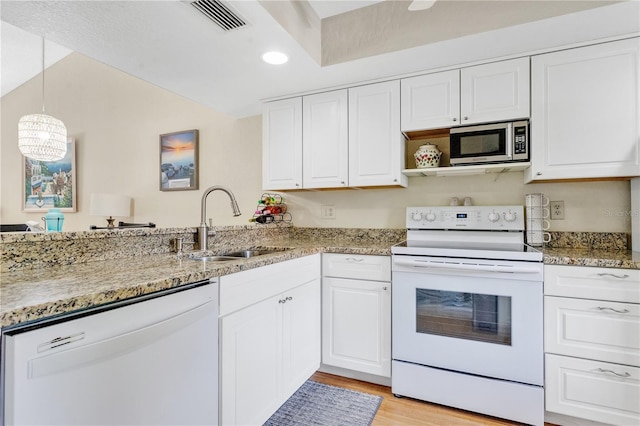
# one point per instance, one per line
(282, 144)
(376, 145)
(356, 332)
(250, 354)
(301, 331)
(599, 391)
(497, 91)
(585, 117)
(325, 148)
(430, 101)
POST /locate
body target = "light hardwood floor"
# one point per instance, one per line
(410, 412)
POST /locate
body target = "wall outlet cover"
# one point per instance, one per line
(556, 210)
(328, 212)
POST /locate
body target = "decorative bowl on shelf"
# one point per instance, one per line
(427, 156)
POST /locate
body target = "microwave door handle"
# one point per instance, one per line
(509, 141)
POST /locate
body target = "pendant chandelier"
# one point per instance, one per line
(40, 136)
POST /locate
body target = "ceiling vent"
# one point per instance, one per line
(219, 13)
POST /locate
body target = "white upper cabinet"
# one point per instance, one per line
(584, 118)
(376, 145)
(282, 144)
(431, 101)
(497, 91)
(338, 139)
(325, 140)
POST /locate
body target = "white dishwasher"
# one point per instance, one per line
(150, 360)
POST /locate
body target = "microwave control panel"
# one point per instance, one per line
(520, 139)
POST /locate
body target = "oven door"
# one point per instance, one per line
(467, 315)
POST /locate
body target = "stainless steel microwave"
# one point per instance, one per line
(490, 143)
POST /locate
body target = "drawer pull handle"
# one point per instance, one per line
(619, 311)
(608, 274)
(604, 370)
(353, 259)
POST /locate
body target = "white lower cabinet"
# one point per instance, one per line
(269, 347)
(592, 343)
(593, 390)
(356, 313)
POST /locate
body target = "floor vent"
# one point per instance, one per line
(222, 15)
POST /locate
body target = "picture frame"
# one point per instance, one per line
(179, 166)
(50, 184)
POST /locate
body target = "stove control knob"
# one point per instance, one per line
(494, 217)
(510, 216)
(431, 216)
(416, 216)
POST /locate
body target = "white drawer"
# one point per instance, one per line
(600, 330)
(358, 266)
(599, 391)
(245, 288)
(584, 282)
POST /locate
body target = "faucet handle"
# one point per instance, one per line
(210, 223)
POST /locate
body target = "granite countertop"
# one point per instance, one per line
(625, 259)
(32, 294)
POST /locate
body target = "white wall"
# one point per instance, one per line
(589, 206)
(116, 120)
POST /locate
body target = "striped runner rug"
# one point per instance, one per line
(323, 405)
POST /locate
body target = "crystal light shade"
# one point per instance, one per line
(42, 137)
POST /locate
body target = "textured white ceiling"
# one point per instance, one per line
(169, 44)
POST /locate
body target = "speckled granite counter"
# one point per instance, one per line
(89, 276)
(591, 257)
(28, 294)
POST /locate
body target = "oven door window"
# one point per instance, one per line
(472, 316)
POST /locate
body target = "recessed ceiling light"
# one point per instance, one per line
(275, 58)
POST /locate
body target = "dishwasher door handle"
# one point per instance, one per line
(456, 266)
(113, 346)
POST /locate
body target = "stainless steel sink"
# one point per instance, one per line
(210, 258)
(252, 253)
(236, 255)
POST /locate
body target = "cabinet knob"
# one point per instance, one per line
(297, 184)
(455, 119)
(342, 183)
(384, 288)
(466, 118)
(539, 174)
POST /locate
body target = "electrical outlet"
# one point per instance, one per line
(557, 210)
(328, 212)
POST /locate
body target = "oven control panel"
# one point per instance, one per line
(498, 218)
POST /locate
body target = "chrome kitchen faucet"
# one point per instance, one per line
(203, 229)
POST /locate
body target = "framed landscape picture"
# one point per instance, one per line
(49, 184)
(179, 161)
